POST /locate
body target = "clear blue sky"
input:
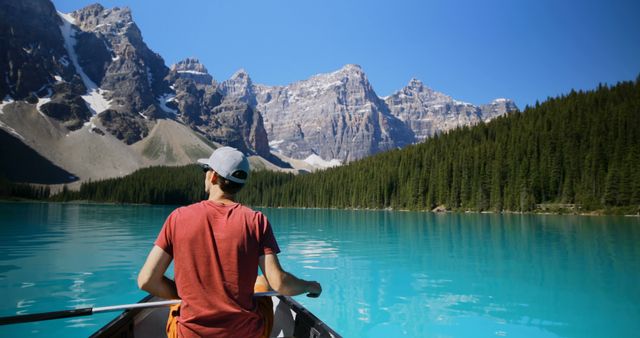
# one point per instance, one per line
(473, 50)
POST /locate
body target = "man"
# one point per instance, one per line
(217, 246)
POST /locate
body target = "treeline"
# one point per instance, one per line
(11, 190)
(156, 185)
(580, 149)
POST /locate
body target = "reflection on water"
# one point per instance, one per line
(384, 274)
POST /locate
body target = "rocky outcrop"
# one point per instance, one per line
(103, 48)
(35, 65)
(123, 126)
(428, 112)
(497, 107)
(192, 69)
(121, 68)
(32, 48)
(236, 124)
(202, 106)
(240, 87)
(334, 116)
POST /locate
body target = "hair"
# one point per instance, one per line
(228, 186)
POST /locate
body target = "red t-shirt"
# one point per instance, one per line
(216, 248)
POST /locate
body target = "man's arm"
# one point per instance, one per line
(151, 277)
(284, 282)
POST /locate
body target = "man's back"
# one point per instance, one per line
(216, 248)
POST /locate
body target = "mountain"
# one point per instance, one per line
(223, 119)
(83, 91)
(428, 112)
(575, 153)
(497, 107)
(339, 117)
(335, 116)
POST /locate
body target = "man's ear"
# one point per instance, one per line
(214, 177)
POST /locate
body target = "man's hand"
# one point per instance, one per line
(285, 283)
(314, 289)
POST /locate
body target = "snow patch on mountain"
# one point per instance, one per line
(192, 72)
(94, 98)
(42, 101)
(5, 101)
(169, 97)
(275, 145)
(319, 162)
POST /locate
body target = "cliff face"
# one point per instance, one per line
(121, 67)
(80, 65)
(338, 116)
(428, 112)
(32, 49)
(334, 116)
(226, 120)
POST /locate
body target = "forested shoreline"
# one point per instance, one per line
(580, 150)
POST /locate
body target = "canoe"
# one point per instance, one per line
(291, 319)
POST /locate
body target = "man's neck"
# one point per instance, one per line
(218, 196)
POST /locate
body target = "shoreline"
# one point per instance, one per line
(566, 212)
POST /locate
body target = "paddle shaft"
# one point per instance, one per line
(80, 312)
(34, 317)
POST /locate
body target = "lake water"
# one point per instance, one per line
(384, 274)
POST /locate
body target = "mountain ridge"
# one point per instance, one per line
(92, 73)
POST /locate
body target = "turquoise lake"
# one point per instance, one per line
(384, 273)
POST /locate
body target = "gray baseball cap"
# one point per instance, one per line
(229, 163)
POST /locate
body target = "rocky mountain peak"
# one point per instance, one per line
(191, 68)
(415, 84)
(240, 74)
(497, 107)
(108, 21)
(334, 116)
(428, 112)
(349, 72)
(239, 87)
(417, 91)
(351, 68)
(192, 64)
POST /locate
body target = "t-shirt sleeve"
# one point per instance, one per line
(165, 237)
(268, 243)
